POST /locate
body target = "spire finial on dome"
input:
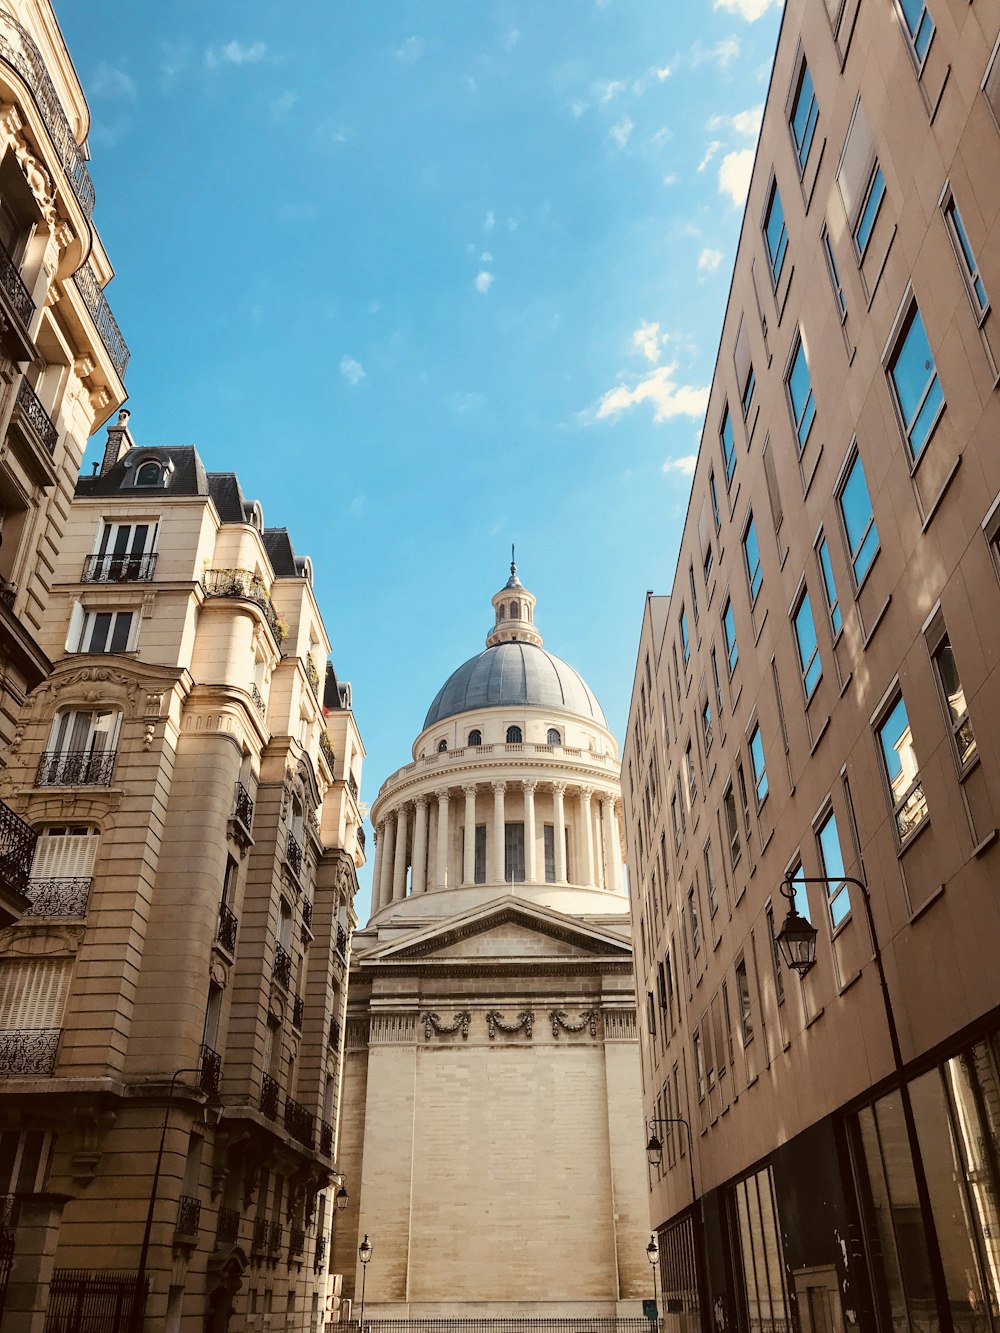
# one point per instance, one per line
(513, 564)
(514, 615)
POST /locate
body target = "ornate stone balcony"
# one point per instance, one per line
(269, 1096)
(13, 288)
(307, 914)
(298, 1012)
(282, 966)
(104, 321)
(293, 855)
(299, 1122)
(75, 768)
(188, 1216)
(65, 898)
(326, 1138)
(243, 807)
(211, 1069)
(333, 1037)
(245, 585)
(342, 940)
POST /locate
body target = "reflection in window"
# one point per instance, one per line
(954, 698)
(800, 395)
(775, 234)
(919, 25)
(685, 640)
(859, 521)
(751, 554)
(805, 113)
(829, 587)
(805, 641)
(729, 631)
(900, 765)
(743, 996)
(873, 202)
(757, 763)
(915, 384)
(967, 260)
(732, 825)
(728, 453)
(832, 867)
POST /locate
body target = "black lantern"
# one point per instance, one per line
(340, 1199)
(654, 1150)
(365, 1250)
(653, 1251)
(796, 940)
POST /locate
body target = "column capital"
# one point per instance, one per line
(559, 788)
(420, 802)
(499, 784)
(469, 788)
(530, 784)
(585, 793)
(442, 797)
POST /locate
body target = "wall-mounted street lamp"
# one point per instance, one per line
(796, 940)
(340, 1199)
(365, 1252)
(653, 1255)
(654, 1156)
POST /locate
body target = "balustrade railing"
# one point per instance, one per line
(326, 1138)
(261, 1236)
(118, 568)
(14, 289)
(30, 407)
(293, 855)
(66, 898)
(17, 848)
(274, 1239)
(296, 1242)
(245, 584)
(258, 699)
(299, 1122)
(243, 807)
(75, 768)
(312, 675)
(29, 1052)
(104, 321)
(18, 50)
(229, 924)
(188, 1216)
(228, 1228)
(298, 1012)
(211, 1069)
(282, 966)
(361, 836)
(268, 1096)
(352, 783)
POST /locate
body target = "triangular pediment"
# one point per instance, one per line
(506, 928)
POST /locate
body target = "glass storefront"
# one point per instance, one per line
(679, 1278)
(765, 1306)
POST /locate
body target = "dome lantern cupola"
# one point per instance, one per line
(514, 613)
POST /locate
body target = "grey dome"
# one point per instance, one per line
(510, 675)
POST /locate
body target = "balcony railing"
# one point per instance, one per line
(352, 784)
(319, 1254)
(274, 1238)
(341, 940)
(299, 1122)
(225, 935)
(19, 51)
(296, 1242)
(104, 321)
(188, 1216)
(326, 1138)
(282, 966)
(228, 1228)
(36, 416)
(293, 855)
(268, 1096)
(298, 1012)
(14, 289)
(118, 568)
(312, 675)
(66, 898)
(326, 749)
(333, 1037)
(17, 847)
(258, 699)
(244, 583)
(29, 1052)
(361, 836)
(261, 1236)
(243, 807)
(211, 1069)
(75, 768)
(307, 913)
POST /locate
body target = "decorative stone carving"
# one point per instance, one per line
(41, 941)
(560, 1019)
(432, 1023)
(39, 180)
(495, 1023)
(91, 1127)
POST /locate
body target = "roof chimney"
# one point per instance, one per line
(119, 442)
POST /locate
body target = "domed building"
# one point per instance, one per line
(492, 1132)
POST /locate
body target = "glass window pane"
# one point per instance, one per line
(757, 759)
(729, 628)
(804, 116)
(119, 638)
(954, 696)
(866, 222)
(971, 1081)
(832, 860)
(896, 741)
(919, 23)
(728, 448)
(805, 637)
(800, 392)
(830, 587)
(879, 1223)
(914, 376)
(859, 523)
(751, 551)
(907, 1222)
(775, 234)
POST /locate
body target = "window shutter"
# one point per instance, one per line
(33, 992)
(62, 855)
(741, 357)
(855, 163)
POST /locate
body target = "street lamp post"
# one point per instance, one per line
(653, 1255)
(365, 1251)
(654, 1155)
(796, 942)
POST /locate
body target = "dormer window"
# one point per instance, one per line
(475, 737)
(149, 474)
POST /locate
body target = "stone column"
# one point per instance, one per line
(377, 872)
(587, 838)
(499, 840)
(420, 846)
(528, 788)
(384, 887)
(441, 878)
(35, 1241)
(469, 865)
(559, 830)
(610, 843)
(399, 864)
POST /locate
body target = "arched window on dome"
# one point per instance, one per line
(149, 474)
(515, 611)
(475, 737)
(442, 746)
(528, 613)
(514, 736)
(553, 738)
(500, 612)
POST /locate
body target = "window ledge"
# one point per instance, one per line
(847, 680)
(816, 1017)
(986, 843)
(879, 617)
(766, 842)
(924, 824)
(926, 905)
(851, 981)
(760, 628)
(819, 737)
(945, 487)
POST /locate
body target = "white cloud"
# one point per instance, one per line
(664, 72)
(647, 339)
(621, 131)
(710, 152)
(684, 465)
(751, 10)
(723, 53)
(735, 171)
(490, 221)
(510, 39)
(608, 90)
(283, 103)
(411, 50)
(670, 178)
(107, 81)
(668, 399)
(486, 257)
(709, 261)
(470, 84)
(578, 108)
(235, 53)
(484, 281)
(746, 122)
(352, 371)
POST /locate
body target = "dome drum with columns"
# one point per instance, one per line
(514, 749)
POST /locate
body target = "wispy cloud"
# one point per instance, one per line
(735, 171)
(670, 178)
(685, 465)
(723, 53)
(621, 131)
(283, 103)
(352, 371)
(411, 50)
(710, 152)
(746, 123)
(607, 90)
(510, 39)
(107, 81)
(484, 281)
(667, 398)
(709, 261)
(751, 10)
(235, 53)
(648, 339)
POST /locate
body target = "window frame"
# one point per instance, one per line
(854, 460)
(756, 573)
(729, 459)
(743, 1000)
(90, 615)
(879, 722)
(815, 657)
(909, 313)
(876, 177)
(941, 642)
(713, 491)
(829, 584)
(911, 35)
(804, 418)
(732, 647)
(821, 823)
(968, 265)
(812, 120)
(732, 825)
(755, 736)
(833, 272)
(776, 258)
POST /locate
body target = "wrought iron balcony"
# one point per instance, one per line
(312, 675)
(188, 1216)
(274, 1239)
(118, 568)
(8, 1210)
(104, 321)
(34, 414)
(352, 784)
(361, 836)
(298, 1012)
(29, 1052)
(326, 1138)
(229, 924)
(14, 289)
(243, 807)
(75, 768)
(268, 1096)
(19, 51)
(228, 1228)
(326, 749)
(17, 847)
(296, 1242)
(319, 1254)
(258, 699)
(282, 966)
(299, 1122)
(307, 913)
(341, 940)
(66, 898)
(245, 584)
(261, 1236)
(211, 1069)
(333, 1037)
(293, 855)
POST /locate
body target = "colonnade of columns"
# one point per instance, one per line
(414, 849)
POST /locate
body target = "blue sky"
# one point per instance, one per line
(432, 278)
